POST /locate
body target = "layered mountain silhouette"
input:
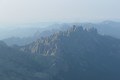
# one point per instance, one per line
(34, 34)
(111, 28)
(80, 54)
(74, 54)
(107, 27)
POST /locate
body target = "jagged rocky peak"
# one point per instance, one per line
(77, 28)
(73, 30)
(52, 44)
(81, 29)
(79, 54)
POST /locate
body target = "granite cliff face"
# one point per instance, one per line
(74, 54)
(78, 54)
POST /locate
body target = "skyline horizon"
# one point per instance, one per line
(15, 30)
(57, 22)
(29, 11)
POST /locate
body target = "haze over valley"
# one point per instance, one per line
(59, 40)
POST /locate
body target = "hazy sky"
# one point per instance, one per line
(30, 11)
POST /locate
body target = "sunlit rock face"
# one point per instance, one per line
(78, 53)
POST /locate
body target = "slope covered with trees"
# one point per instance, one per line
(78, 54)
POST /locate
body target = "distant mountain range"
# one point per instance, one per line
(76, 53)
(36, 33)
(105, 28)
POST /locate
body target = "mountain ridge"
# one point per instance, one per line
(77, 53)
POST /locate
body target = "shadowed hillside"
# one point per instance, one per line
(79, 54)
